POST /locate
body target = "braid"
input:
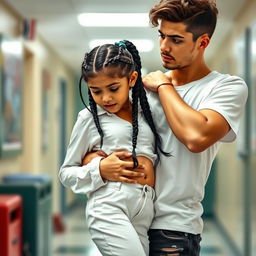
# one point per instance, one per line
(93, 107)
(124, 60)
(144, 102)
(147, 113)
(135, 127)
(85, 65)
(120, 58)
(90, 68)
(81, 94)
(85, 68)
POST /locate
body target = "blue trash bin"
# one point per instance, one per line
(26, 177)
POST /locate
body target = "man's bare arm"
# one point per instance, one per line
(197, 130)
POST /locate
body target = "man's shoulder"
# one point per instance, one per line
(226, 86)
(227, 78)
(219, 81)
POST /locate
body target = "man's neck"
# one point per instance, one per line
(187, 75)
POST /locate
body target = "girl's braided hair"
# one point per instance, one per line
(124, 58)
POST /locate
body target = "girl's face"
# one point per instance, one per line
(111, 93)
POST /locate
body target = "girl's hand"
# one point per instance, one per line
(114, 168)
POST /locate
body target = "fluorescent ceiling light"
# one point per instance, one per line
(113, 19)
(142, 45)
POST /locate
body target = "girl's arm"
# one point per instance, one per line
(81, 179)
(85, 177)
(115, 167)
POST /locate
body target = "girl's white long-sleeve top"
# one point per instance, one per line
(85, 138)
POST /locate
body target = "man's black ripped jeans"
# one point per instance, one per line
(173, 243)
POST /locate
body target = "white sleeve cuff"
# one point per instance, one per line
(94, 169)
(97, 180)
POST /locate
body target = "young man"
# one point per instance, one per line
(199, 109)
(195, 109)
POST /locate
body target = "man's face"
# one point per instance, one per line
(177, 48)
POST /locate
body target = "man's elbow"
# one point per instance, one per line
(195, 148)
(196, 145)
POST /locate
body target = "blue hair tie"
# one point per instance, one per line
(121, 44)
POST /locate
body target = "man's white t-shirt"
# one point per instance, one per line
(180, 179)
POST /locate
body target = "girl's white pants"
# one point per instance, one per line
(119, 216)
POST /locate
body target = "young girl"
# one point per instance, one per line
(118, 213)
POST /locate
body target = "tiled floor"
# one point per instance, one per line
(75, 241)
(213, 244)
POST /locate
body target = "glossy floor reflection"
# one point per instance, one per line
(76, 241)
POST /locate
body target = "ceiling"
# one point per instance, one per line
(57, 24)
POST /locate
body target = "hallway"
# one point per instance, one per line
(42, 46)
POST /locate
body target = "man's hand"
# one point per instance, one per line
(114, 168)
(88, 157)
(154, 79)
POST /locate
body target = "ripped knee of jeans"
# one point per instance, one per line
(173, 251)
